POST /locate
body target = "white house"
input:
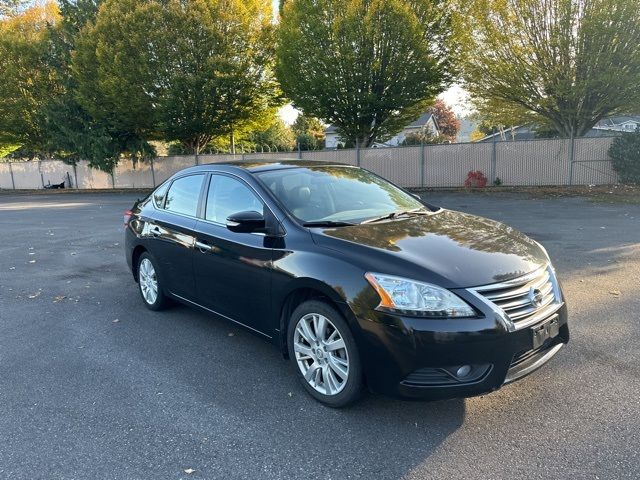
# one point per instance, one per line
(619, 124)
(425, 123)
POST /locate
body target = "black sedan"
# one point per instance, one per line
(357, 281)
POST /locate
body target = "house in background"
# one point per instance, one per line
(425, 123)
(628, 123)
(604, 128)
(467, 126)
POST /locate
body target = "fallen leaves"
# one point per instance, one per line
(615, 293)
(189, 471)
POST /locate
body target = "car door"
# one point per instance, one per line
(170, 233)
(233, 270)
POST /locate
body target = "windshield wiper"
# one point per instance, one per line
(396, 214)
(328, 223)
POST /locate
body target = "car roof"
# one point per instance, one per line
(255, 166)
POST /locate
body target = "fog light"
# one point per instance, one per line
(463, 371)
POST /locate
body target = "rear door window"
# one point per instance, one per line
(183, 195)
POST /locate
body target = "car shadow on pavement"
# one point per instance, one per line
(229, 373)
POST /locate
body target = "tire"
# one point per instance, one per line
(330, 371)
(149, 284)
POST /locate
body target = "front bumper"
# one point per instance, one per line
(419, 358)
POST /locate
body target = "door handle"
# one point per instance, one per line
(155, 231)
(203, 247)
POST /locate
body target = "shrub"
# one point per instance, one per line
(475, 178)
(625, 154)
(426, 138)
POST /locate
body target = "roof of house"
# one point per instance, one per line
(421, 121)
(618, 120)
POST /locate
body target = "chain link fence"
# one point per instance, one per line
(581, 161)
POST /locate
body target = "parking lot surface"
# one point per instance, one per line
(95, 386)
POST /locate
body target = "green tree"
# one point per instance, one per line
(180, 71)
(266, 133)
(277, 136)
(367, 66)
(70, 129)
(26, 82)
(309, 132)
(625, 154)
(565, 64)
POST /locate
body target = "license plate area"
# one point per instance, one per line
(544, 331)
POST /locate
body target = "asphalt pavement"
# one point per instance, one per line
(95, 386)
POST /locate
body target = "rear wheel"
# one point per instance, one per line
(149, 283)
(324, 351)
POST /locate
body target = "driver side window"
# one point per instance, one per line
(227, 196)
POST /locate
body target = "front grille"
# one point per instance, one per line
(524, 297)
(434, 377)
(529, 356)
(528, 361)
(430, 376)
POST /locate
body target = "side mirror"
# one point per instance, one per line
(246, 222)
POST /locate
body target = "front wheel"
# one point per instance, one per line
(324, 351)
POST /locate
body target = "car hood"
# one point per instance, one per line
(448, 248)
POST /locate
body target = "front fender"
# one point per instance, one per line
(340, 281)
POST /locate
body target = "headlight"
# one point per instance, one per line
(408, 296)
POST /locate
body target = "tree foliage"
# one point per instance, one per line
(625, 154)
(562, 63)
(9, 8)
(276, 137)
(264, 134)
(72, 132)
(426, 137)
(367, 66)
(446, 119)
(309, 132)
(183, 71)
(27, 81)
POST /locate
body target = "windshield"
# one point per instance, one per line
(336, 194)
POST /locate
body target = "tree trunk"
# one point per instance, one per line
(232, 142)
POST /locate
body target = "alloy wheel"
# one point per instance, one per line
(321, 354)
(148, 281)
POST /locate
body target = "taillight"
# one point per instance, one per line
(127, 217)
